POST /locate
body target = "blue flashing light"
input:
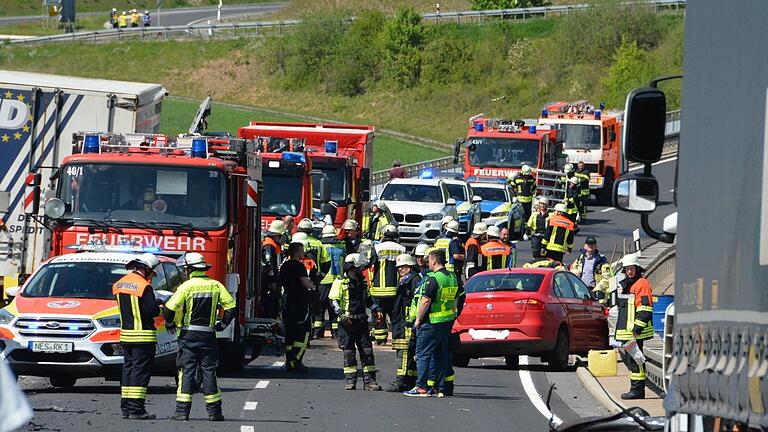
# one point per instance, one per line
(501, 180)
(602, 106)
(91, 143)
(545, 113)
(598, 114)
(532, 129)
(200, 148)
(331, 147)
(479, 127)
(294, 157)
(471, 178)
(427, 174)
(151, 249)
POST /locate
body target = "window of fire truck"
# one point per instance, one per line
(160, 194)
(92, 280)
(337, 174)
(503, 152)
(581, 137)
(282, 191)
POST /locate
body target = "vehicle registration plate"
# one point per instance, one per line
(408, 229)
(51, 347)
(596, 181)
(488, 334)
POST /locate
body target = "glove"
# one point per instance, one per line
(343, 319)
(170, 328)
(525, 237)
(220, 326)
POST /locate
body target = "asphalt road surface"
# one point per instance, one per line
(178, 16)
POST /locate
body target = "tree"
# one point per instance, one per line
(632, 67)
(401, 43)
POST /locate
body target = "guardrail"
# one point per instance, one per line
(257, 29)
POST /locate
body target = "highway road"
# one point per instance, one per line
(178, 16)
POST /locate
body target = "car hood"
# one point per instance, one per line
(490, 206)
(411, 207)
(47, 306)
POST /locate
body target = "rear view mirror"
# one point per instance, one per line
(636, 193)
(645, 125)
(365, 184)
(325, 189)
(12, 291)
(451, 202)
(476, 199)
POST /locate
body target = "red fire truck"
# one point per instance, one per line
(592, 136)
(495, 148)
(340, 155)
(144, 191)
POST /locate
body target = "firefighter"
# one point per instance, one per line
(198, 300)
(113, 16)
(296, 275)
(473, 259)
(405, 376)
(315, 250)
(146, 19)
(375, 220)
(635, 312)
(272, 255)
(384, 285)
(583, 175)
(559, 236)
(450, 243)
(544, 262)
(562, 182)
(349, 296)
(604, 287)
(420, 253)
(122, 20)
(351, 235)
(525, 189)
(497, 255)
(589, 264)
(135, 18)
(573, 199)
(336, 251)
(138, 336)
(537, 226)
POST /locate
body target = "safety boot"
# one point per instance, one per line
(182, 411)
(636, 391)
(351, 384)
(398, 386)
(370, 382)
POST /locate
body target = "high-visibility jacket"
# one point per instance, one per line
(317, 252)
(413, 309)
(351, 297)
(497, 255)
(272, 255)
(135, 18)
(572, 204)
(444, 243)
(473, 259)
(122, 21)
(385, 274)
(445, 306)
(537, 223)
(136, 302)
(544, 263)
(373, 225)
(525, 188)
(336, 252)
(635, 310)
(583, 177)
(198, 300)
(559, 235)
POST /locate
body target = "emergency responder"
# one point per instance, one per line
(559, 236)
(537, 226)
(405, 375)
(562, 182)
(544, 262)
(272, 256)
(351, 235)
(375, 220)
(583, 175)
(315, 250)
(573, 199)
(525, 189)
(635, 312)
(198, 300)
(437, 307)
(384, 286)
(497, 255)
(589, 264)
(451, 244)
(146, 19)
(138, 336)
(135, 18)
(604, 287)
(297, 284)
(420, 253)
(349, 296)
(473, 259)
(122, 20)
(336, 251)
(113, 16)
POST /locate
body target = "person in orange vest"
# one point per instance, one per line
(272, 255)
(496, 254)
(138, 335)
(559, 236)
(473, 259)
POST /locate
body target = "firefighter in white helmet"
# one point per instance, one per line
(385, 278)
(525, 189)
(405, 375)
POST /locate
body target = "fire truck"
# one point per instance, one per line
(340, 156)
(149, 192)
(592, 136)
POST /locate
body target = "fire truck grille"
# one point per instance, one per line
(413, 218)
(66, 328)
(398, 216)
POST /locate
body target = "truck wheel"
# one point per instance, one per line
(512, 361)
(66, 382)
(558, 357)
(460, 360)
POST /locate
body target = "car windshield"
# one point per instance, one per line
(282, 192)
(580, 137)
(338, 179)
(91, 280)
(457, 191)
(528, 282)
(503, 152)
(412, 192)
(490, 194)
(145, 193)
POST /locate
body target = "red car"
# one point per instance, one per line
(544, 313)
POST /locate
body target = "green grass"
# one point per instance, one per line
(32, 7)
(51, 27)
(177, 115)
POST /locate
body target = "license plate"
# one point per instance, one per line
(488, 334)
(596, 181)
(51, 347)
(408, 229)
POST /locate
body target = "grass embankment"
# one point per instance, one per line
(51, 26)
(397, 73)
(32, 7)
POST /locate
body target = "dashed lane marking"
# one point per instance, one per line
(533, 394)
(606, 210)
(250, 406)
(261, 384)
(247, 428)
(639, 167)
(278, 364)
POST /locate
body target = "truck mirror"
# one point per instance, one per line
(645, 124)
(457, 150)
(5, 201)
(325, 189)
(636, 193)
(365, 184)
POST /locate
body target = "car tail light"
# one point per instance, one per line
(530, 304)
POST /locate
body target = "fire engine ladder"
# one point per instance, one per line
(548, 186)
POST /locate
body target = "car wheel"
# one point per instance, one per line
(63, 381)
(512, 361)
(460, 360)
(558, 357)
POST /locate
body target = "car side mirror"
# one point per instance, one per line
(451, 202)
(13, 291)
(457, 150)
(636, 193)
(477, 199)
(645, 125)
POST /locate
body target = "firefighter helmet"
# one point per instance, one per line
(300, 237)
(329, 231)
(526, 169)
(194, 260)
(560, 207)
(146, 260)
(305, 225)
(277, 227)
(421, 249)
(493, 232)
(390, 231)
(404, 260)
(452, 227)
(567, 168)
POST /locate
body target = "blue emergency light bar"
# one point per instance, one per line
(427, 174)
(331, 147)
(598, 114)
(531, 129)
(199, 148)
(294, 157)
(92, 143)
(544, 113)
(479, 127)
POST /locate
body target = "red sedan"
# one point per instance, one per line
(545, 313)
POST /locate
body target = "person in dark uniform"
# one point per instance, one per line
(295, 277)
(402, 332)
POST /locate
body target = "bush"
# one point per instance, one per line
(401, 43)
(506, 4)
(447, 60)
(356, 63)
(632, 67)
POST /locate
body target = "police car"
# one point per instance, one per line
(467, 204)
(498, 209)
(64, 323)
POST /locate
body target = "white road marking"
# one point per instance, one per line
(247, 429)
(533, 394)
(250, 406)
(606, 210)
(261, 384)
(278, 364)
(639, 167)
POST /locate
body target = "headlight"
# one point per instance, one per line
(5, 317)
(112, 321)
(433, 216)
(500, 214)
